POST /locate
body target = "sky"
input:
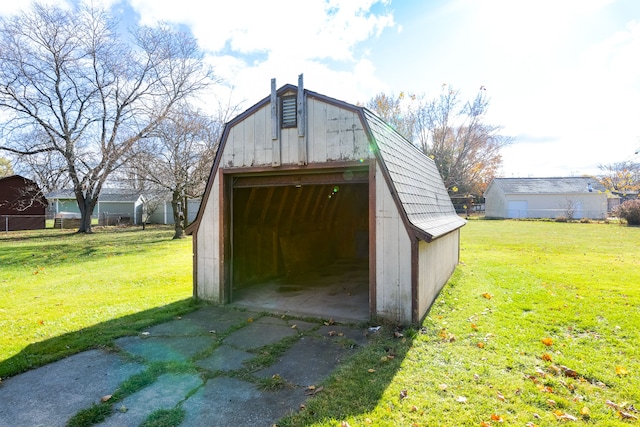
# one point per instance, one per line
(563, 77)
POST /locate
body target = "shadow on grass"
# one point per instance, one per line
(357, 385)
(97, 336)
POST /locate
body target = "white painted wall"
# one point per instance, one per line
(208, 259)
(436, 262)
(393, 258)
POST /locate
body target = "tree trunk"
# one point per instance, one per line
(86, 205)
(177, 215)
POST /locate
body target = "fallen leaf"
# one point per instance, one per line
(500, 396)
(250, 319)
(368, 420)
(546, 357)
(461, 399)
(613, 405)
(123, 409)
(621, 370)
(584, 411)
(485, 424)
(569, 372)
(551, 402)
(344, 424)
(496, 417)
(294, 326)
(443, 387)
(487, 295)
(397, 334)
(403, 394)
(371, 371)
(547, 341)
(530, 424)
(303, 406)
(626, 416)
(332, 333)
(474, 326)
(313, 391)
(480, 345)
(564, 416)
(105, 398)
(414, 408)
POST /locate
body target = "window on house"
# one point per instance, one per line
(289, 112)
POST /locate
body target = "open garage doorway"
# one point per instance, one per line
(300, 244)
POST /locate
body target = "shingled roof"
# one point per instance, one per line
(416, 180)
(555, 185)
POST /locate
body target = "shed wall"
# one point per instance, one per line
(393, 258)
(436, 262)
(495, 203)
(589, 205)
(332, 134)
(208, 283)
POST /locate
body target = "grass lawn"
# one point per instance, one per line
(63, 292)
(538, 326)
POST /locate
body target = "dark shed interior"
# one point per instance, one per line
(309, 234)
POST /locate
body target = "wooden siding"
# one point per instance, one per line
(334, 134)
(436, 262)
(208, 278)
(393, 260)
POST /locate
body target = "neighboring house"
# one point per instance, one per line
(304, 185)
(22, 205)
(114, 206)
(569, 197)
(163, 212)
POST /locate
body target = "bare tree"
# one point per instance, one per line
(465, 149)
(178, 158)
(71, 77)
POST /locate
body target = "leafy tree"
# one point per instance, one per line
(91, 95)
(620, 177)
(454, 134)
(5, 167)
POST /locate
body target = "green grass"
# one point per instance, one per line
(63, 292)
(479, 354)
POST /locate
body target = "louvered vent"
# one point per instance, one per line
(289, 113)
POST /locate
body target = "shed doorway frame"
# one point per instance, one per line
(344, 173)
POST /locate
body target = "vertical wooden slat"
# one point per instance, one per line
(301, 119)
(275, 126)
(372, 239)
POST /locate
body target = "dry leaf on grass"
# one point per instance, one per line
(105, 398)
(546, 357)
(487, 295)
(547, 341)
(564, 416)
(461, 399)
(621, 370)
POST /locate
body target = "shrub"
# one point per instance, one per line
(629, 211)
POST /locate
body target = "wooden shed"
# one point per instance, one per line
(568, 197)
(317, 207)
(22, 205)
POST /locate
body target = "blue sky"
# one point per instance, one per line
(563, 76)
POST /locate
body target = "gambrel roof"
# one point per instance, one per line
(416, 180)
(555, 185)
(412, 176)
